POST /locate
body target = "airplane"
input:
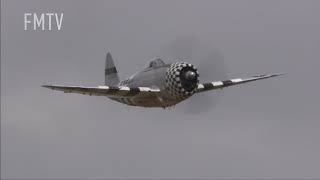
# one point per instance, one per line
(160, 84)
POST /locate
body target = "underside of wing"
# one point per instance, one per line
(115, 91)
(231, 82)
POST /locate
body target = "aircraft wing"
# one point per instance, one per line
(231, 82)
(109, 91)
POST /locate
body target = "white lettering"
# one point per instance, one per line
(26, 21)
(38, 22)
(49, 16)
(43, 21)
(59, 21)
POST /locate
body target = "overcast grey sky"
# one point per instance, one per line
(266, 129)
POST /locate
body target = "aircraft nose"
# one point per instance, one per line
(190, 75)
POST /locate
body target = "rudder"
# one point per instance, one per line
(111, 74)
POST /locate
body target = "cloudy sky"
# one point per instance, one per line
(266, 129)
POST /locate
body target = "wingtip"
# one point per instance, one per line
(269, 75)
(46, 86)
(278, 74)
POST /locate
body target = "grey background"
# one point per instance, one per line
(267, 129)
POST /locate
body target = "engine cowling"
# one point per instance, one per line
(182, 80)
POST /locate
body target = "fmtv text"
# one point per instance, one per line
(43, 21)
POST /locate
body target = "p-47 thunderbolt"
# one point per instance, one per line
(157, 85)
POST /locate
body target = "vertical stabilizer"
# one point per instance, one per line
(110, 72)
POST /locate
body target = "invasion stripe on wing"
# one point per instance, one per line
(114, 89)
(103, 87)
(236, 80)
(104, 90)
(130, 91)
(125, 88)
(217, 84)
(231, 82)
(208, 85)
(227, 82)
(134, 91)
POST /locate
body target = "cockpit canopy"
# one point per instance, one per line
(156, 62)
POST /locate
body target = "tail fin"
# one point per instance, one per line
(111, 74)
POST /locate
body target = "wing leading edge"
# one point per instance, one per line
(231, 82)
(109, 91)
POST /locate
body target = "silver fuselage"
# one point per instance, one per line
(149, 77)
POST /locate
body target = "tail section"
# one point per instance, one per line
(111, 74)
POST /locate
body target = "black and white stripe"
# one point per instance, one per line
(120, 91)
(231, 82)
